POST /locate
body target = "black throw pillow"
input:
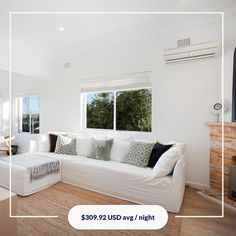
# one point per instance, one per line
(156, 153)
(53, 141)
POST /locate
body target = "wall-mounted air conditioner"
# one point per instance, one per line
(191, 52)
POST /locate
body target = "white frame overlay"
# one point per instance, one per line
(119, 13)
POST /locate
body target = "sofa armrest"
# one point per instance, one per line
(179, 174)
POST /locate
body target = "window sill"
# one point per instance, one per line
(125, 132)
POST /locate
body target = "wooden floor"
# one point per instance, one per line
(61, 197)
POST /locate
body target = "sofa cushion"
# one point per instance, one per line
(83, 145)
(101, 149)
(65, 145)
(183, 146)
(119, 150)
(156, 153)
(139, 153)
(43, 143)
(167, 161)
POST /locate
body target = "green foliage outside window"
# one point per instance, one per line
(133, 110)
(100, 108)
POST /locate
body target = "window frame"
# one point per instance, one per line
(20, 112)
(84, 111)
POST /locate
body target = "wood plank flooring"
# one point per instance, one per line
(61, 197)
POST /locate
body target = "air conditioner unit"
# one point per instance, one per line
(191, 52)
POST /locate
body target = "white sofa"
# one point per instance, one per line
(20, 179)
(112, 178)
(127, 182)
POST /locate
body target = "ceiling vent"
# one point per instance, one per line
(191, 52)
(183, 42)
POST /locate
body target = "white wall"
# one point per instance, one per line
(29, 60)
(4, 49)
(4, 103)
(20, 85)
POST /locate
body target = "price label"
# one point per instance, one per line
(117, 217)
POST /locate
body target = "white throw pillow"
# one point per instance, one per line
(34, 146)
(183, 146)
(166, 163)
(83, 146)
(119, 150)
(43, 143)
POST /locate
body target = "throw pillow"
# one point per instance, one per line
(101, 149)
(167, 162)
(34, 146)
(139, 153)
(43, 141)
(83, 145)
(66, 145)
(119, 150)
(183, 146)
(156, 153)
(52, 142)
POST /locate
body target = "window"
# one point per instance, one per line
(119, 102)
(129, 110)
(100, 110)
(134, 110)
(28, 113)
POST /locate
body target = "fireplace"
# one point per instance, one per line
(232, 182)
(216, 158)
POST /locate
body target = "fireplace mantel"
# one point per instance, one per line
(226, 124)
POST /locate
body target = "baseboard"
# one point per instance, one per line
(217, 201)
(197, 185)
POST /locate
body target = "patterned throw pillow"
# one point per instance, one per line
(139, 153)
(101, 149)
(66, 145)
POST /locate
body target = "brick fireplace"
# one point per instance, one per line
(216, 158)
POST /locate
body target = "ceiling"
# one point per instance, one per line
(42, 30)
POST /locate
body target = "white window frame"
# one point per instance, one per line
(84, 110)
(20, 112)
